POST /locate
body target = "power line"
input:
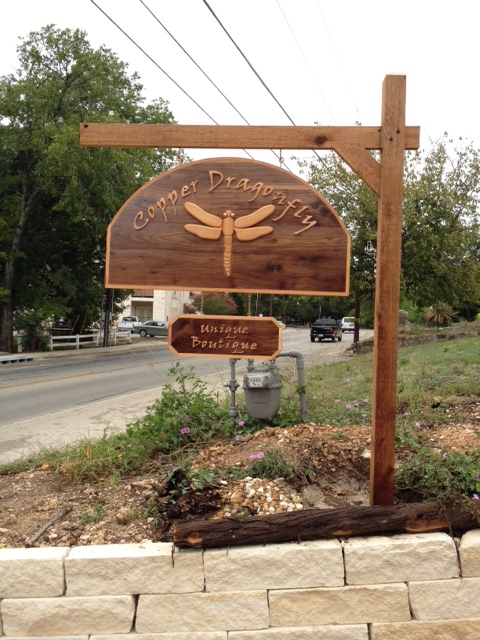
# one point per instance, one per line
(159, 67)
(251, 67)
(194, 61)
(339, 62)
(246, 59)
(306, 62)
(207, 76)
(176, 83)
(154, 62)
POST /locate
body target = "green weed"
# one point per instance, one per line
(95, 515)
(433, 475)
(270, 464)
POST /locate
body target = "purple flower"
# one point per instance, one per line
(406, 414)
(237, 438)
(184, 431)
(241, 423)
(253, 456)
(187, 418)
(347, 380)
(475, 497)
(348, 406)
(260, 455)
(355, 404)
(364, 415)
(417, 425)
(365, 400)
(444, 456)
(336, 401)
(292, 379)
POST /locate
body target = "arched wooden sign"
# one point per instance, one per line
(229, 224)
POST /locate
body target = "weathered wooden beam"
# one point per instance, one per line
(364, 164)
(314, 524)
(387, 290)
(235, 137)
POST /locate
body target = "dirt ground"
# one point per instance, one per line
(331, 470)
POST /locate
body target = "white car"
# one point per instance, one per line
(128, 323)
(348, 324)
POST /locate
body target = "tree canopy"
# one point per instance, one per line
(440, 225)
(212, 303)
(56, 199)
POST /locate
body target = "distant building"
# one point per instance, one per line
(152, 304)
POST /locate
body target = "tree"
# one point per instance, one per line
(440, 238)
(56, 199)
(212, 303)
(440, 232)
(357, 206)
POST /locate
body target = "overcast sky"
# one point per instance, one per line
(324, 61)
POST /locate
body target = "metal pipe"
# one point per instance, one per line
(233, 386)
(300, 363)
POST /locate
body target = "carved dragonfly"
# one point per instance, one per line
(228, 225)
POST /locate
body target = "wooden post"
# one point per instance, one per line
(387, 290)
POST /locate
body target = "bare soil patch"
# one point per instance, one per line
(331, 470)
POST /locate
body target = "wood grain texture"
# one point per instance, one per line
(387, 291)
(364, 165)
(225, 337)
(314, 524)
(166, 136)
(228, 224)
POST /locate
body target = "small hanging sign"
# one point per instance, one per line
(225, 337)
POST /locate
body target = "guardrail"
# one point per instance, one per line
(96, 339)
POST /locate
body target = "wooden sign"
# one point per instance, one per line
(228, 224)
(225, 337)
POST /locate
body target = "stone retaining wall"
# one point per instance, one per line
(415, 587)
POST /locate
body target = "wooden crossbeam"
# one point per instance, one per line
(167, 136)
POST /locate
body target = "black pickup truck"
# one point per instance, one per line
(326, 329)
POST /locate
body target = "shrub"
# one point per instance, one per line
(440, 315)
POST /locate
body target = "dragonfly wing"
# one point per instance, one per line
(201, 215)
(252, 218)
(207, 233)
(253, 233)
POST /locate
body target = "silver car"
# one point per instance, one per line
(152, 328)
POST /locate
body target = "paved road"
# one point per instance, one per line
(62, 397)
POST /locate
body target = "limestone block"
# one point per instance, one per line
(401, 558)
(121, 569)
(202, 612)
(63, 616)
(445, 599)
(201, 635)
(346, 605)
(310, 564)
(328, 632)
(470, 553)
(75, 637)
(444, 630)
(32, 573)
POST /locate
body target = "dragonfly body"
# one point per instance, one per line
(228, 226)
